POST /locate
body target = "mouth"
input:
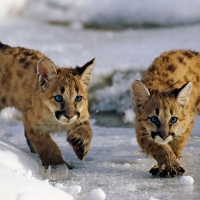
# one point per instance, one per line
(161, 138)
(63, 118)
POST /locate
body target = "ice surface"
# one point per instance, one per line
(152, 198)
(97, 194)
(186, 180)
(54, 172)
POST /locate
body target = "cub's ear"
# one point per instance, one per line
(85, 72)
(140, 92)
(45, 70)
(182, 95)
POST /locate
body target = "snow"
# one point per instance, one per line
(97, 194)
(115, 163)
(186, 180)
(20, 178)
(116, 13)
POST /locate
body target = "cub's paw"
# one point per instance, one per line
(78, 147)
(80, 140)
(163, 170)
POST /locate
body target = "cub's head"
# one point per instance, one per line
(65, 90)
(162, 115)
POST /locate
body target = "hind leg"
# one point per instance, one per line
(32, 150)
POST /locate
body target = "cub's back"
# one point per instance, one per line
(17, 74)
(172, 70)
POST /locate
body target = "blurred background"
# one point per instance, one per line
(124, 36)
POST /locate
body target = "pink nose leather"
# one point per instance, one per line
(69, 117)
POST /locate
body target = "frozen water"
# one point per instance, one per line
(152, 198)
(54, 172)
(186, 180)
(97, 194)
(115, 164)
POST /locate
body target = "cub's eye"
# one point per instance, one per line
(78, 98)
(173, 120)
(154, 119)
(58, 98)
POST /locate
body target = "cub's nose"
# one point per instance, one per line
(68, 116)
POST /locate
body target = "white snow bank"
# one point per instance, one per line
(73, 190)
(15, 160)
(20, 179)
(97, 194)
(186, 180)
(14, 186)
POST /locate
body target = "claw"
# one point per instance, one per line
(78, 147)
(181, 171)
(164, 171)
(172, 172)
(154, 170)
(69, 166)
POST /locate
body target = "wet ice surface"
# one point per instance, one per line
(115, 164)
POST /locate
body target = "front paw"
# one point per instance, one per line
(80, 139)
(165, 170)
(78, 147)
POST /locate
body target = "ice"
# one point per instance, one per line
(152, 198)
(54, 172)
(97, 194)
(186, 180)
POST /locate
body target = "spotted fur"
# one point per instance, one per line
(50, 99)
(166, 100)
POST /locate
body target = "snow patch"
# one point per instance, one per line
(186, 180)
(11, 7)
(129, 116)
(97, 194)
(20, 179)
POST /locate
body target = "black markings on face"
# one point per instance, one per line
(154, 134)
(62, 90)
(157, 111)
(76, 89)
(58, 114)
(171, 111)
(62, 104)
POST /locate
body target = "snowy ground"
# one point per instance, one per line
(115, 163)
